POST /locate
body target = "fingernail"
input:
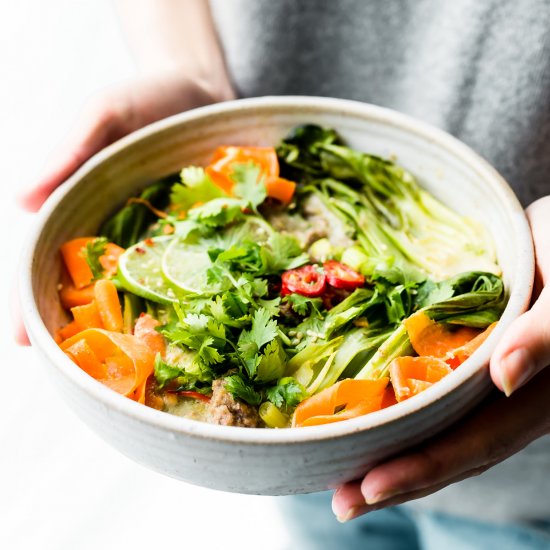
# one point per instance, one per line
(350, 514)
(380, 497)
(515, 369)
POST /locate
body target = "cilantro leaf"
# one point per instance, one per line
(209, 354)
(239, 389)
(187, 229)
(287, 392)
(259, 289)
(262, 331)
(283, 252)
(272, 305)
(196, 187)
(242, 257)
(181, 370)
(200, 333)
(303, 305)
(272, 362)
(217, 212)
(92, 254)
(165, 372)
(227, 309)
(430, 293)
(249, 185)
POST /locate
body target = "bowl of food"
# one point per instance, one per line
(271, 295)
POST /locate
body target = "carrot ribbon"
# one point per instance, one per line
(120, 361)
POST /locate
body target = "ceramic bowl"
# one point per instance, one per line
(263, 461)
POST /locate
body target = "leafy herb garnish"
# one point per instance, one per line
(249, 185)
(288, 393)
(236, 385)
(93, 252)
(195, 187)
(305, 306)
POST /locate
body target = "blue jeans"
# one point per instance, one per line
(312, 526)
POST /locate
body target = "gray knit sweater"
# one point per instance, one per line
(479, 69)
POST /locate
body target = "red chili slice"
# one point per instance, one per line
(306, 280)
(342, 276)
(195, 395)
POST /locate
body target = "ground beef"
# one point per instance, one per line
(225, 410)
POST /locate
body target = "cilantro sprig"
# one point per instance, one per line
(92, 253)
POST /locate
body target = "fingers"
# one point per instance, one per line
(20, 335)
(525, 347)
(98, 127)
(114, 114)
(487, 437)
(349, 503)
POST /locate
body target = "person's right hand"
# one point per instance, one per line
(111, 115)
(108, 117)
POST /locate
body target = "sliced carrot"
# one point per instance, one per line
(225, 155)
(399, 381)
(83, 355)
(67, 331)
(345, 399)
(224, 158)
(364, 407)
(389, 397)
(87, 316)
(70, 296)
(75, 261)
(108, 304)
(418, 386)
(429, 338)
(74, 257)
(280, 189)
(410, 375)
(457, 356)
(123, 361)
(219, 178)
(139, 393)
(145, 330)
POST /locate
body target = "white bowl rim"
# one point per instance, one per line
(518, 299)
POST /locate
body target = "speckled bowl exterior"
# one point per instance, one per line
(262, 461)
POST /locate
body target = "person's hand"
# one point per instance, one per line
(493, 432)
(108, 117)
(113, 114)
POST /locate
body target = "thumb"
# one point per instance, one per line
(525, 347)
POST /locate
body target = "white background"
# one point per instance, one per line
(61, 487)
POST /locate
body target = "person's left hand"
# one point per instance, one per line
(494, 431)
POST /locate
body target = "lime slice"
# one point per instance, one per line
(186, 265)
(253, 228)
(140, 270)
